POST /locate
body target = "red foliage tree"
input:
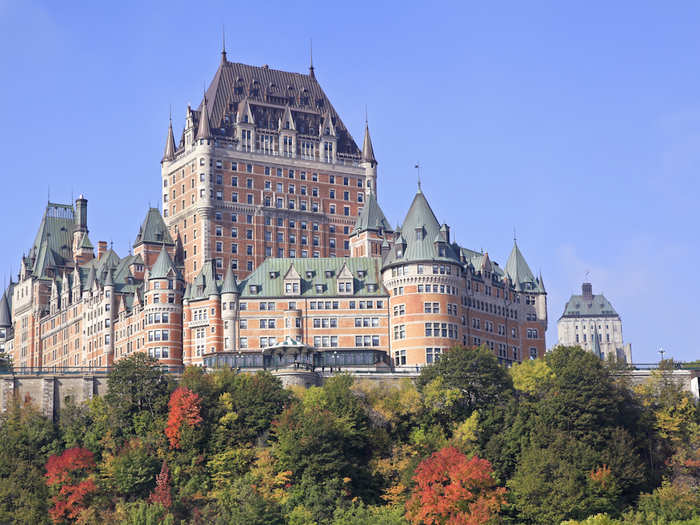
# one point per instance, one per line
(161, 494)
(184, 409)
(454, 490)
(69, 478)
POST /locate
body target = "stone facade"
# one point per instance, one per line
(591, 322)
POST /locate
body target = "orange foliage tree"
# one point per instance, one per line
(69, 476)
(452, 489)
(184, 410)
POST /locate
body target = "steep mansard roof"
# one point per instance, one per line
(268, 92)
(205, 284)
(153, 230)
(371, 218)
(367, 149)
(421, 233)
(520, 273)
(268, 279)
(53, 242)
(595, 306)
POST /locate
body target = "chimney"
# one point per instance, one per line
(101, 248)
(587, 289)
(81, 213)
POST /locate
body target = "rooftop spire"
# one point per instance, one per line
(223, 44)
(169, 153)
(311, 56)
(203, 131)
(417, 166)
(367, 149)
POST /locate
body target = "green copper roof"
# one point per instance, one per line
(230, 285)
(163, 267)
(421, 239)
(595, 306)
(318, 277)
(205, 284)
(371, 217)
(153, 230)
(85, 243)
(520, 273)
(53, 242)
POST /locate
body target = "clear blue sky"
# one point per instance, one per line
(576, 123)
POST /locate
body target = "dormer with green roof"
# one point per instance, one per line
(153, 235)
(370, 230)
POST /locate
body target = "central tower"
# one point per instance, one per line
(264, 167)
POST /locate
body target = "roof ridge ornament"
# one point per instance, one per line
(311, 57)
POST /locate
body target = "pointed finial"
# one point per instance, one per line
(366, 119)
(417, 166)
(311, 56)
(515, 238)
(223, 44)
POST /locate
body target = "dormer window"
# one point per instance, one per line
(345, 287)
(361, 274)
(319, 288)
(329, 273)
(291, 288)
(254, 288)
(309, 274)
(273, 275)
(372, 287)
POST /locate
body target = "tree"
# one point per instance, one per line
(137, 394)
(464, 380)
(70, 478)
(184, 412)
(161, 494)
(530, 375)
(142, 513)
(131, 472)
(27, 438)
(450, 488)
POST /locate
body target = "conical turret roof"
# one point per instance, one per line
(230, 285)
(163, 266)
(371, 218)
(169, 152)
(5, 316)
(203, 131)
(367, 149)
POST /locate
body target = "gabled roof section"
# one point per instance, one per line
(292, 273)
(371, 218)
(287, 120)
(85, 243)
(205, 284)
(153, 230)
(345, 272)
(520, 273)
(420, 232)
(327, 127)
(163, 267)
(244, 113)
(313, 271)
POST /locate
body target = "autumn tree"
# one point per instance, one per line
(70, 479)
(161, 494)
(451, 488)
(184, 412)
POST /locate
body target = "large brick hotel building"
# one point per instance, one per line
(271, 247)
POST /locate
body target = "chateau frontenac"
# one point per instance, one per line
(271, 249)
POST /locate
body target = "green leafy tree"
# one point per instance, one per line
(357, 513)
(138, 393)
(27, 439)
(131, 473)
(464, 380)
(143, 513)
